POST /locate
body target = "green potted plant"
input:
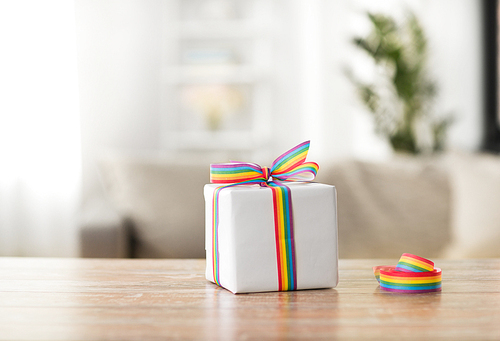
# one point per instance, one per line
(401, 98)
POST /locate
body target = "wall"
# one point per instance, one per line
(456, 45)
(453, 29)
(119, 55)
(40, 161)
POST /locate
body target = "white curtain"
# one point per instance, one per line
(39, 129)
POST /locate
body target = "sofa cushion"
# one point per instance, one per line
(387, 208)
(164, 201)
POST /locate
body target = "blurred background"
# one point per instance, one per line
(111, 112)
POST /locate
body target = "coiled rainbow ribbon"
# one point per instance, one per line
(412, 275)
(290, 166)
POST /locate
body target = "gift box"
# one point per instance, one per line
(281, 235)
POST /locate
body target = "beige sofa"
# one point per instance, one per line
(446, 206)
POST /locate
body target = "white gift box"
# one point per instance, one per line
(247, 246)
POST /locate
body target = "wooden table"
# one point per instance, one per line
(125, 299)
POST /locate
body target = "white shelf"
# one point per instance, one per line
(217, 29)
(208, 140)
(228, 51)
(206, 74)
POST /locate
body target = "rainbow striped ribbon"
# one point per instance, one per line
(412, 274)
(290, 166)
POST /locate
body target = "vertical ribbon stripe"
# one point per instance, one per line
(290, 166)
(215, 232)
(284, 236)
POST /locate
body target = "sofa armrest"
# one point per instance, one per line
(103, 233)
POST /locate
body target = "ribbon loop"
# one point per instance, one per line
(290, 166)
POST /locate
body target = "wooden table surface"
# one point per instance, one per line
(131, 299)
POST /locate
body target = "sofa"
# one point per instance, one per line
(444, 206)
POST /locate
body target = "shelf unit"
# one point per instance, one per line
(230, 50)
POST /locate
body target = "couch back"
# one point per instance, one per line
(384, 209)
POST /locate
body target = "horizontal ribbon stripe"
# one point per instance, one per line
(418, 277)
(399, 275)
(412, 291)
(402, 266)
(401, 282)
(396, 274)
(289, 166)
(410, 280)
(412, 285)
(235, 172)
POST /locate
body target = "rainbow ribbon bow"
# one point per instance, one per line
(412, 275)
(290, 166)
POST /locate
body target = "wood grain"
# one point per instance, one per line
(131, 299)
